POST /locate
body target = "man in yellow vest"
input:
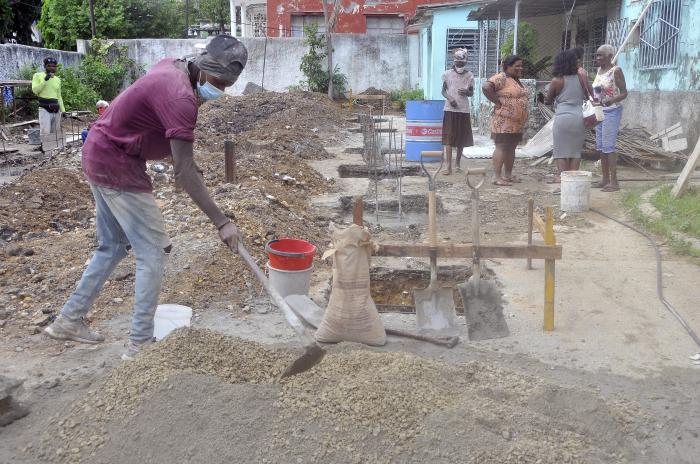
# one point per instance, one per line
(47, 87)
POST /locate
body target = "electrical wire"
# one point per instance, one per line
(659, 276)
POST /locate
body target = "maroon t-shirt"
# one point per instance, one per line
(138, 126)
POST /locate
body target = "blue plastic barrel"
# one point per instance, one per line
(423, 127)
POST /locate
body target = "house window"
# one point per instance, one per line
(463, 38)
(658, 35)
(301, 21)
(384, 24)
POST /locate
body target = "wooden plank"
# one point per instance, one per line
(449, 250)
(530, 219)
(539, 224)
(369, 97)
(684, 178)
(670, 131)
(19, 124)
(549, 273)
(677, 144)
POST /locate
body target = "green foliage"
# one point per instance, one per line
(5, 19)
(313, 64)
(21, 16)
(527, 50)
(76, 93)
(403, 96)
(64, 21)
(682, 213)
(100, 75)
(105, 69)
(216, 11)
(664, 226)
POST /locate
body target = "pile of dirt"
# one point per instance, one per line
(45, 200)
(358, 405)
(268, 115)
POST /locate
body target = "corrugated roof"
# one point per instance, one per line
(528, 8)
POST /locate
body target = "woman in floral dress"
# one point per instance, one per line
(509, 117)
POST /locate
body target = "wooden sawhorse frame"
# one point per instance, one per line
(550, 252)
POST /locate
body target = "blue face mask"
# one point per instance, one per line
(208, 91)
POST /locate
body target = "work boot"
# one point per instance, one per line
(133, 349)
(77, 331)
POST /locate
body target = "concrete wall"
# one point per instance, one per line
(656, 110)
(13, 57)
(383, 62)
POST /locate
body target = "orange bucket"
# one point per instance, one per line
(290, 254)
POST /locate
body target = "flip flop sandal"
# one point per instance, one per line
(611, 189)
(515, 180)
(598, 185)
(501, 183)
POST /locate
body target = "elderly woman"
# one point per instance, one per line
(609, 89)
(509, 117)
(567, 91)
(457, 87)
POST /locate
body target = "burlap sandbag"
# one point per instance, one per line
(351, 314)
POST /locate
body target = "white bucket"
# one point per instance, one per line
(575, 191)
(290, 282)
(170, 317)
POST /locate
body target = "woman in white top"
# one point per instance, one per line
(609, 89)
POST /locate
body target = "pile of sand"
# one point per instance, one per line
(203, 396)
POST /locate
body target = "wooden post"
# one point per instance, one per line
(230, 162)
(530, 212)
(358, 211)
(350, 100)
(549, 273)
(688, 169)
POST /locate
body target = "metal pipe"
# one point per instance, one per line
(498, 42)
(515, 28)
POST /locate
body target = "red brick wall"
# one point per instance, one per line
(352, 16)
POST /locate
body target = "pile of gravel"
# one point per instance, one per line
(357, 405)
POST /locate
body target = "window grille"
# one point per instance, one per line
(616, 32)
(463, 38)
(658, 35)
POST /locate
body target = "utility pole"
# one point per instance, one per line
(329, 49)
(93, 27)
(187, 19)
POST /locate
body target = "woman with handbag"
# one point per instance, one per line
(567, 92)
(609, 89)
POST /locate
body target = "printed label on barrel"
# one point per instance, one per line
(423, 131)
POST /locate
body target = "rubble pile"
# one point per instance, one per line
(47, 216)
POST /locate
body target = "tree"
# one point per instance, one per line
(217, 11)
(527, 50)
(317, 78)
(24, 14)
(5, 19)
(64, 21)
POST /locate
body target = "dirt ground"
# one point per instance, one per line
(612, 383)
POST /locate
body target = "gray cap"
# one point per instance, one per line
(224, 58)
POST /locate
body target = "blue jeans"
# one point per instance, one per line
(125, 220)
(606, 131)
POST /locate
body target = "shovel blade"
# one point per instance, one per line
(435, 310)
(313, 354)
(483, 310)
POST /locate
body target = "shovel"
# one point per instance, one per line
(435, 306)
(312, 314)
(483, 308)
(313, 353)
